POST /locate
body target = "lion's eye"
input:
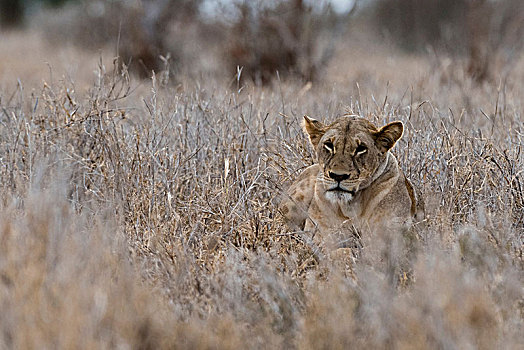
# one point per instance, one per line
(329, 146)
(361, 149)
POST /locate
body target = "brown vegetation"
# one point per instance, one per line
(282, 38)
(141, 215)
(138, 32)
(484, 32)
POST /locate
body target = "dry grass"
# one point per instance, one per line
(144, 217)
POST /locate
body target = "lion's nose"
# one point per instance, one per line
(338, 177)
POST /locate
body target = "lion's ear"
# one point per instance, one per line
(388, 135)
(315, 130)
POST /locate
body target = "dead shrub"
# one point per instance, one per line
(483, 32)
(139, 32)
(283, 36)
(11, 13)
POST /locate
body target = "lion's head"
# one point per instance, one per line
(350, 153)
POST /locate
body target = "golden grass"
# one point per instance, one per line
(145, 217)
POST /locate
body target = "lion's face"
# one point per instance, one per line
(350, 152)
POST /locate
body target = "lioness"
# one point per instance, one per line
(357, 181)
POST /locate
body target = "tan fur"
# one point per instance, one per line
(357, 181)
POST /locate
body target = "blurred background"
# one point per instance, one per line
(256, 39)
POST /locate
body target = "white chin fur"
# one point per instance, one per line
(337, 197)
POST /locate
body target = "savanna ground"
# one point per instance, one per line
(142, 213)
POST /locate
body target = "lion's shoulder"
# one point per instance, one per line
(295, 201)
